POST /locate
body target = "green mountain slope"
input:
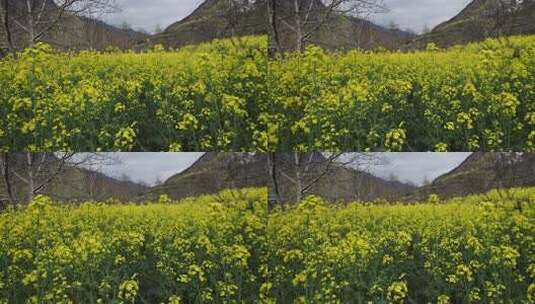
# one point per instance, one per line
(484, 19)
(480, 173)
(212, 173)
(214, 19)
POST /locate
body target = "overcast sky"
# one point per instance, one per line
(148, 167)
(413, 14)
(417, 167)
(152, 167)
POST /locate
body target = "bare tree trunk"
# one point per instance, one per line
(298, 26)
(6, 27)
(30, 25)
(298, 178)
(272, 167)
(4, 161)
(272, 12)
(31, 182)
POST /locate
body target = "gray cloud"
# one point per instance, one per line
(413, 14)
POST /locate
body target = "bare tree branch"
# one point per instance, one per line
(28, 174)
(304, 18)
(37, 18)
(298, 174)
(63, 160)
(327, 166)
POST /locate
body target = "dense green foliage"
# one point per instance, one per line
(479, 249)
(199, 98)
(201, 250)
(476, 97)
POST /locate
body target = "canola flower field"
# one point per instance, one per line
(201, 250)
(199, 98)
(479, 249)
(228, 96)
(227, 248)
(467, 98)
